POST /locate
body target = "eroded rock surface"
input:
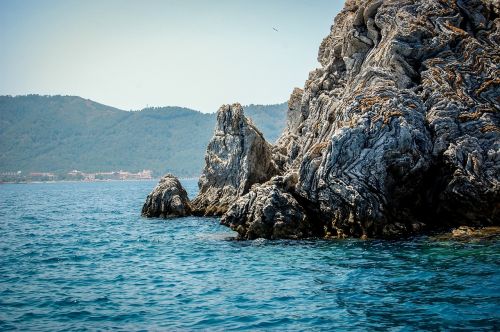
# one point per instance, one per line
(398, 130)
(168, 199)
(237, 157)
(268, 211)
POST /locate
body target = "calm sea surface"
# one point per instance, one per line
(78, 256)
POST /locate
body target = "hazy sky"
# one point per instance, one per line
(129, 54)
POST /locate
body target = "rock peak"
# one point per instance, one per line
(237, 157)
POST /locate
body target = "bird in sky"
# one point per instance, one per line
(275, 29)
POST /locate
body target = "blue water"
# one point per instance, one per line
(78, 256)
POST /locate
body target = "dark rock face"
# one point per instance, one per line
(268, 211)
(168, 199)
(237, 157)
(396, 133)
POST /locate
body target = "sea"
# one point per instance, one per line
(79, 257)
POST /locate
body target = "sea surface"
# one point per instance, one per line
(78, 256)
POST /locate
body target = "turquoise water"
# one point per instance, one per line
(78, 256)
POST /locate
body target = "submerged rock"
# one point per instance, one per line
(168, 199)
(237, 157)
(466, 233)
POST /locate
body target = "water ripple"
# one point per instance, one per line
(77, 256)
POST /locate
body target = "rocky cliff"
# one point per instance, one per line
(397, 132)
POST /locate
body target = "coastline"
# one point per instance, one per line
(83, 181)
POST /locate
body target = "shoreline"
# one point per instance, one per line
(94, 181)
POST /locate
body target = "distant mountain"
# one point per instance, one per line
(62, 133)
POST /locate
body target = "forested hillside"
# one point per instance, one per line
(62, 133)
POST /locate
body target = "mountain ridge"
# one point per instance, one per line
(61, 133)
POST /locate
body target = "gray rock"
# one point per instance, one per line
(237, 157)
(396, 133)
(268, 211)
(168, 199)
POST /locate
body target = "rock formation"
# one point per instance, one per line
(168, 199)
(396, 132)
(237, 157)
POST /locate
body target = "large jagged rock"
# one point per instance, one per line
(168, 199)
(396, 132)
(237, 157)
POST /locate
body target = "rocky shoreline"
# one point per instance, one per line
(397, 133)
(469, 234)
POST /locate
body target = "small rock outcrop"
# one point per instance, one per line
(237, 157)
(168, 199)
